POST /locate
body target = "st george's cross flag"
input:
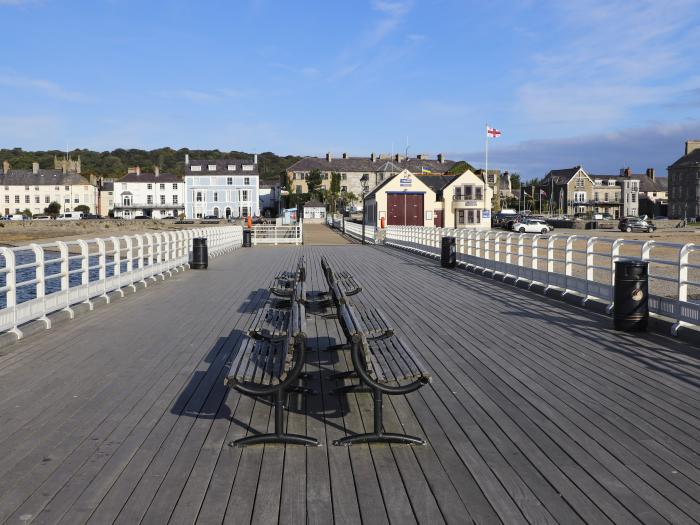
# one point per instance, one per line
(492, 132)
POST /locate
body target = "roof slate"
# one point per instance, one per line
(42, 178)
(365, 164)
(221, 167)
(691, 160)
(150, 177)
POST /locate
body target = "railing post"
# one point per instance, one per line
(11, 285)
(683, 263)
(40, 276)
(102, 266)
(85, 270)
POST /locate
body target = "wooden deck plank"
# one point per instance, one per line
(529, 418)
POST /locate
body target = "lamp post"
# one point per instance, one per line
(364, 180)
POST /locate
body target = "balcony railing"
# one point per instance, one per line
(138, 206)
(460, 197)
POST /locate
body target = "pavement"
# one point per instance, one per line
(322, 235)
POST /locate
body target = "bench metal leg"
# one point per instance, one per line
(279, 436)
(379, 436)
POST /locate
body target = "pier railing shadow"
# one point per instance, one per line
(519, 303)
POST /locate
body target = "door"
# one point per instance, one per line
(438, 219)
(396, 204)
(414, 210)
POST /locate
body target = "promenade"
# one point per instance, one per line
(538, 411)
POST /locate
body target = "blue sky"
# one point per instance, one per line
(602, 84)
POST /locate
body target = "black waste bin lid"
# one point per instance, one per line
(633, 263)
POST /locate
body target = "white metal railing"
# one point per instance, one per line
(353, 229)
(38, 279)
(575, 264)
(274, 234)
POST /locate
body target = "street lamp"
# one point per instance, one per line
(364, 181)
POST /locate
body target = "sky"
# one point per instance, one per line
(604, 84)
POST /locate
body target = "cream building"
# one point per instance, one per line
(452, 201)
(376, 169)
(35, 189)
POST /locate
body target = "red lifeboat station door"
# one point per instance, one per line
(405, 209)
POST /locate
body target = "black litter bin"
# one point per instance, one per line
(448, 255)
(246, 238)
(631, 300)
(200, 254)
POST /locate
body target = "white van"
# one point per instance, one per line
(41, 218)
(18, 217)
(70, 216)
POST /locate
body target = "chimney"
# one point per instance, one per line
(650, 173)
(138, 170)
(156, 171)
(328, 157)
(440, 158)
(35, 168)
(187, 159)
(397, 158)
(372, 157)
(691, 146)
(5, 167)
(628, 172)
(345, 155)
(255, 158)
(420, 156)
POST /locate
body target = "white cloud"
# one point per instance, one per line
(655, 145)
(610, 58)
(47, 87)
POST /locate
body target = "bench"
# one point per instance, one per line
(346, 281)
(284, 282)
(269, 361)
(383, 362)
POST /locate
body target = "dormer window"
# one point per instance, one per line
(247, 167)
(211, 167)
(232, 167)
(196, 168)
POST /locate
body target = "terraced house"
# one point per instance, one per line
(35, 189)
(574, 191)
(156, 195)
(377, 168)
(684, 183)
(222, 188)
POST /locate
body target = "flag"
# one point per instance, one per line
(492, 132)
(423, 170)
(542, 192)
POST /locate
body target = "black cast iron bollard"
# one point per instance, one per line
(631, 301)
(448, 255)
(246, 238)
(200, 254)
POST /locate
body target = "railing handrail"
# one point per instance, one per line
(144, 256)
(560, 261)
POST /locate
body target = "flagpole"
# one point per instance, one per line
(487, 154)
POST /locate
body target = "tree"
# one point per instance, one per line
(53, 209)
(460, 167)
(83, 208)
(314, 181)
(334, 192)
(27, 213)
(515, 180)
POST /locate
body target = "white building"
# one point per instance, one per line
(35, 189)
(270, 199)
(314, 212)
(156, 195)
(221, 188)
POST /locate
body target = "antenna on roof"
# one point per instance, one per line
(407, 146)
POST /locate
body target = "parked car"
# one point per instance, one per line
(18, 217)
(636, 224)
(532, 226)
(91, 216)
(142, 217)
(41, 218)
(498, 219)
(70, 216)
(169, 218)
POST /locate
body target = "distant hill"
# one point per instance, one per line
(115, 163)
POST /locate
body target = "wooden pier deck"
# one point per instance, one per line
(538, 412)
